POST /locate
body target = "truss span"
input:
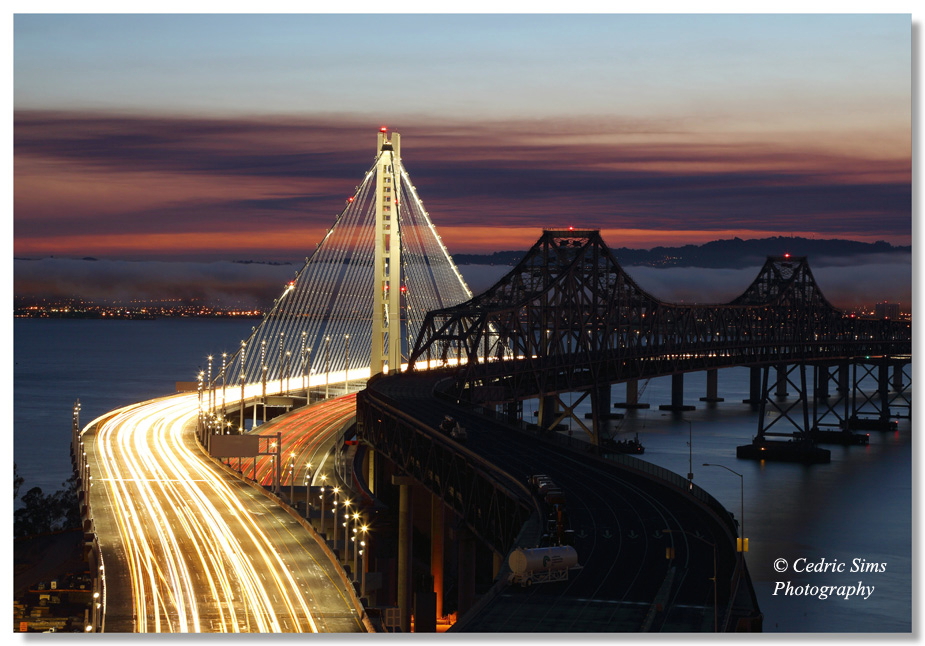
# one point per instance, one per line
(568, 317)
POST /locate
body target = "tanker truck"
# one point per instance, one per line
(542, 564)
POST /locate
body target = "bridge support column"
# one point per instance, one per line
(513, 410)
(822, 381)
(404, 551)
(844, 377)
(883, 389)
(425, 618)
(781, 390)
(600, 413)
(677, 395)
(898, 385)
(754, 386)
(712, 387)
(548, 411)
(466, 569)
(632, 396)
(436, 552)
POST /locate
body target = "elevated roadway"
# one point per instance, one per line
(619, 517)
(188, 547)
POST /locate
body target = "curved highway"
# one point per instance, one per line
(188, 548)
(307, 436)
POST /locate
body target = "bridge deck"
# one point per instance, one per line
(618, 518)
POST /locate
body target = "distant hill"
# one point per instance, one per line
(735, 253)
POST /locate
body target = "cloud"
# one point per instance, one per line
(88, 174)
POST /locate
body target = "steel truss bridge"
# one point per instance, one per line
(568, 318)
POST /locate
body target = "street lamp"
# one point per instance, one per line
(715, 595)
(336, 491)
(356, 543)
(365, 552)
(346, 554)
(742, 546)
(308, 490)
(323, 482)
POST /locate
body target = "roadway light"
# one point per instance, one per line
(365, 552)
(347, 504)
(308, 491)
(742, 542)
(356, 545)
(336, 491)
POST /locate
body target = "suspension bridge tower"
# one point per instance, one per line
(363, 293)
(386, 321)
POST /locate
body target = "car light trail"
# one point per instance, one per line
(201, 557)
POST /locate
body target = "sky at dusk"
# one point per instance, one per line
(223, 137)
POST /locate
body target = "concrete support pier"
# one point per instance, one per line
(465, 542)
(781, 390)
(548, 411)
(436, 552)
(632, 396)
(677, 395)
(822, 381)
(754, 386)
(404, 551)
(712, 396)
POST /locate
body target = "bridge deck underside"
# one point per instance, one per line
(512, 379)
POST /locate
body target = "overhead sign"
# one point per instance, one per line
(234, 446)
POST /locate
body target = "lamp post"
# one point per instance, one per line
(715, 594)
(292, 479)
(346, 553)
(308, 491)
(356, 543)
(741, 546)
(323, 482)
(365, 552)
(336, 491)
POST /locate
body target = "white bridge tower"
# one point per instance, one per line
(386, 322)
